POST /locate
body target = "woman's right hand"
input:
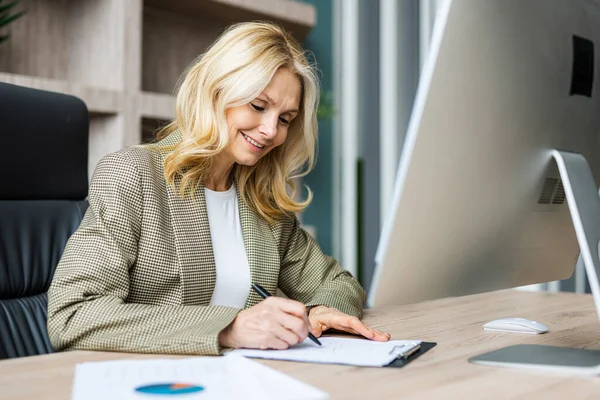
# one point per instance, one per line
(274, 323)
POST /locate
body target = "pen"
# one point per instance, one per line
(264, 294)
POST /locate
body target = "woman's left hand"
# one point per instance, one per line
(322, 318)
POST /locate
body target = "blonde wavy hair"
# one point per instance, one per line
(232, 72)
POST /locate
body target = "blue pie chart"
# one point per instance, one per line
(169, 389)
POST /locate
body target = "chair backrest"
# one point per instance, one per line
(43, 190)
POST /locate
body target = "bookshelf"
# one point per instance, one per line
(123, 57)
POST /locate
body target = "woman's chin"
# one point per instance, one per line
(247, 161)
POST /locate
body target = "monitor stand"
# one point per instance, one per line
(584, 204)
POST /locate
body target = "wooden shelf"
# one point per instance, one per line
(74, 41)
(296, 17)
(174, 33)
(170, 42)
(98, 100)
(158, 106)
(123, 57)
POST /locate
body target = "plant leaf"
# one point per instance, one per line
(3, 38)
(326, 108)
(7, 19)
(8, 6)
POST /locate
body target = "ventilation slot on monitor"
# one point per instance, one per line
(553, 192)
(559, 194)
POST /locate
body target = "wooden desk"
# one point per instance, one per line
(441, 373)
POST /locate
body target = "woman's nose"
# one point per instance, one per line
(268, 127)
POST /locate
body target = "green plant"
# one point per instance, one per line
(6, 16)
(326, 109)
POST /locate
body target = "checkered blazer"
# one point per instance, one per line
(139, 273)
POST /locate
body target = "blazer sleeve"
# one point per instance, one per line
(313, 278)
(87, 307)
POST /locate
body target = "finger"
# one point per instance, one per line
(380, 336)
(309, 324)
(274, 343)
(317, 329)
(378, 332)
(294, 324)
(286, 335)
(306, 321)
(387, 335)
(348, 324)
(340, 322)
(290, 307)
(360, 328)
(299, 311)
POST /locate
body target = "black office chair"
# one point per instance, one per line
(43, 190)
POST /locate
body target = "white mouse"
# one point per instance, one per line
(516, 325)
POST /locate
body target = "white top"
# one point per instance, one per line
(233, 271)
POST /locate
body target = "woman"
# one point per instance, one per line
(176, 232)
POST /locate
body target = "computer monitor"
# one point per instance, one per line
(493, 190)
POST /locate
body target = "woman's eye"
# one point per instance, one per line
(284, 121)
(257, 108)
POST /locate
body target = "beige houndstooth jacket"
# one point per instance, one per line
(139, 273)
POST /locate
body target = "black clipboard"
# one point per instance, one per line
(402, 361)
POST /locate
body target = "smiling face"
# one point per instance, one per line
(258, 127)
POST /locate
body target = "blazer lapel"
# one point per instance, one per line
(194, 246)
(261, 250)
(195, 252)
(193, 243)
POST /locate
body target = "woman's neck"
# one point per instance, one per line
(219, 178)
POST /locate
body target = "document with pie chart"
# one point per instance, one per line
(231, 377)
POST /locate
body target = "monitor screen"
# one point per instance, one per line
(479, 201)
